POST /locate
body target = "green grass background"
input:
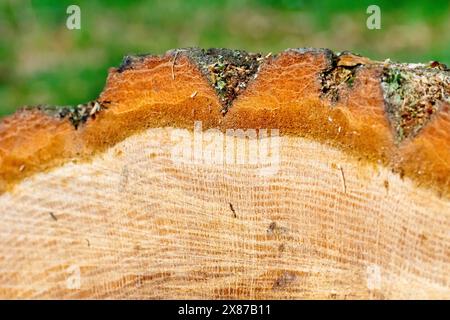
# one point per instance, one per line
(42, 62)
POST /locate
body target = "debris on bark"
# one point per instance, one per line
(341, 74)
(412, 94)
(229, 71)
(76, 114)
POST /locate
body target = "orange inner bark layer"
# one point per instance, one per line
(163, 91)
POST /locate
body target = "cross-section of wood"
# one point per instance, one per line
(223, 174)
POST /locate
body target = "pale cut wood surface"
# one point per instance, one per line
(134, 224)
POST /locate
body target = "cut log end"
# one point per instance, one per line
(225, 174)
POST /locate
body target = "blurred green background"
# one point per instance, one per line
(42, 62)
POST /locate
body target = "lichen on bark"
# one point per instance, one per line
(413, 94)
(229, 71)
(77, 115)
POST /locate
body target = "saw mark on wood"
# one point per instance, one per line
(344, 183)
(232, 209)
(53, 216)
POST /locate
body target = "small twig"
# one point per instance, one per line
(173, 65)
(53, 216)
(343, 179)
(232, 209)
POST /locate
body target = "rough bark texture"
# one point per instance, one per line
(94, 205)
